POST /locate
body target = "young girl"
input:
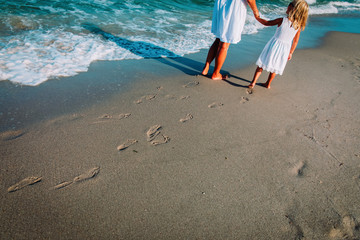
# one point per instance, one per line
(279, 49)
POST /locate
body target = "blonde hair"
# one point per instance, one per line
(299, 13)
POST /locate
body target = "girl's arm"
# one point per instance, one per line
(252, 4)
(294, 44)
(277, 21)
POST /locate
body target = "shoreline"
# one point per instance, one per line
(279, 163)
(23, 106)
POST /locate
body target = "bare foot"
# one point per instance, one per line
(205, 70)
(265, 85)
(219, 77)
(251, 85)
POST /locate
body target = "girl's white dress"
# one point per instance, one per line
(229, 19)
(275, 55)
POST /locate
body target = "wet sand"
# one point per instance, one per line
(184, 157)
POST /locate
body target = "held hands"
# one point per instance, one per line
(257, 16)
(260, 20)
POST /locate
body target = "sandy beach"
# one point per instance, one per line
(179, 156)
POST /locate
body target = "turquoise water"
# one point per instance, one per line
(41, 40)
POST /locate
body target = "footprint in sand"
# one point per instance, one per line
(155, 137)
(153, 132)
(126, 144)
(191, 84)
(23, 183)
(184, 97)
(124, 115)
(349, 229)
(150, 97)
(298, 169)
(250, 91)
(87, 175)
(186, 118)
(139, 101)
(160, 139)
(244, 100)
(10, 135)
(173, 97)
(170, 96)
(215, 105)
(62, 185)
(105, 116)
(146, 97)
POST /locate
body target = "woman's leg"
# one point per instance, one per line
(270, 78)
(257, 74)
(219, 60)
(211, 55)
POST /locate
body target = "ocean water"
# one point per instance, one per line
(41, 40)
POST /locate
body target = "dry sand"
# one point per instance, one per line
(190, 158)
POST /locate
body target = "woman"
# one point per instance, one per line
(227, 25)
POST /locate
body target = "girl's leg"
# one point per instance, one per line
(270, 78)
(211, 55)
(257, 74)
(219, 60)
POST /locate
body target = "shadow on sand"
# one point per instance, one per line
(232, 83)
(150, 51)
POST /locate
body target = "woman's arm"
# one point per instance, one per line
(277, 21)
(252, 4)
(294, 44)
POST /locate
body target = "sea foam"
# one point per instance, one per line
(54, 40)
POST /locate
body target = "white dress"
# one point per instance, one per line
(229, 19)
(275, 55)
